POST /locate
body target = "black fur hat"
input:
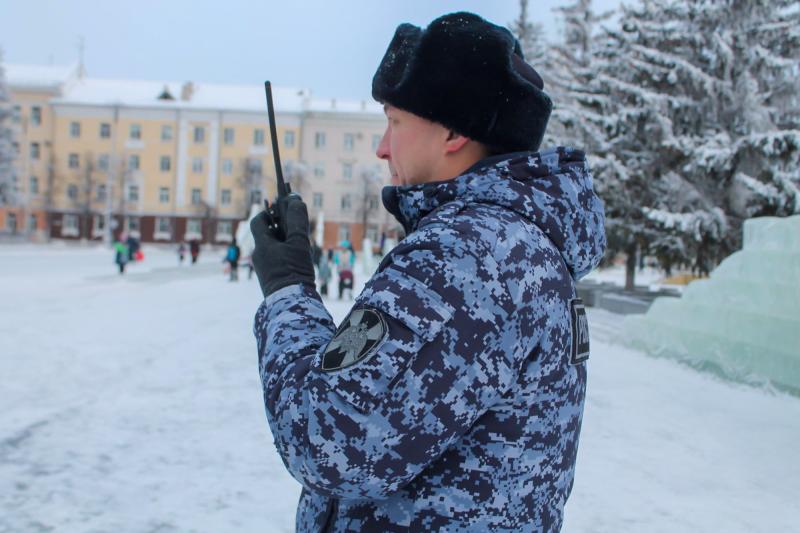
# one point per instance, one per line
(468, 75)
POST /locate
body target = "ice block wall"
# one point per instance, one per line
(743, 322)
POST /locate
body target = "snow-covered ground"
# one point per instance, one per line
(133, 404)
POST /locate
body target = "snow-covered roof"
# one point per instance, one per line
(344, 106)
(139, 93)
(205, 96)
(39, 76)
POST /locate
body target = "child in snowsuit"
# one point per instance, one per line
(121, 257)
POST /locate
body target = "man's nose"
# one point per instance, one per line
(383, 147)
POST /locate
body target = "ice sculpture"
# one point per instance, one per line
(743, 322)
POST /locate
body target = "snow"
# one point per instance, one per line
(132, 403)
(213, 96)
(39, 76)
(344, 106)
(205, 96)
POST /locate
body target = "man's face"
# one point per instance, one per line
(413, 147)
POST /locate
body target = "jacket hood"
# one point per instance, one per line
(552, 188)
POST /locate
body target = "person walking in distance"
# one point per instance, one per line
(121, 255)
(194, 249)
(232, 257)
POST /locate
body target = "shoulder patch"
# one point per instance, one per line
(356, 340)
(580, 332)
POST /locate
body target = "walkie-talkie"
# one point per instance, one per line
(274, 219)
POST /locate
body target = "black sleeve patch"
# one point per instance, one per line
(580, 332)
(356, 340)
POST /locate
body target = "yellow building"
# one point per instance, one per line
(164, 162)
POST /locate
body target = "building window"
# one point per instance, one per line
(255, 196)
(16, 113)
(319, 139)
(317, 199)
(197, 164)
(75, 130)
(196, 196)
(163, 225)
(133, 193)
(163, 195)
(348, 142)
(105, 130)
(166, 132)
(347, 171)
(224, 228)
(72, 192)
(194, 226)
(346, 202)
(288, 139)
(133, 223)
(372, 203)
(344, 232)
(102, 162)
(11, 222)
(101, 192)
(166, 163)
(199, 134)
(254, 167)
(227, 136)
(98, 223)
(225, 198)
(33, 224)
(227, 167)
(69, 225)
(258, 136)
(133, 162)
(372, 234)
(135, 132)
(319, 170)
(74, 162)
(34, 185)
(376, 141)
(36, 116)
(35, 153)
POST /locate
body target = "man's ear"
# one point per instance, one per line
(455, 141)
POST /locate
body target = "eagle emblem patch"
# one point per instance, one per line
(356, 340)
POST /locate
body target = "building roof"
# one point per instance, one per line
(39, 76)
(206, 96)
(203, 96)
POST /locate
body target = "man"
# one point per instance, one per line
(450, 398)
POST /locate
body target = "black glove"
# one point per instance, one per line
(279, 263)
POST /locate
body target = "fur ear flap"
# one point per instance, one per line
(468, 75)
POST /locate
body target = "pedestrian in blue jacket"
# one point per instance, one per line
(451, 396)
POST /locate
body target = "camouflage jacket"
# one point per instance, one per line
(450, 398)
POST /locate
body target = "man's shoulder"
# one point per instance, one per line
(482, 227)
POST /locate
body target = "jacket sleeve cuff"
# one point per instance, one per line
(292, 291)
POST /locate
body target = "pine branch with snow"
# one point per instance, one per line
(7, 150)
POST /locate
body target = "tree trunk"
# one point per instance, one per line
(630, 266)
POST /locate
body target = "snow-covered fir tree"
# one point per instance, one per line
(7, 151)
(531, 38)
(631, 117)
(569, 73)
(701, 124)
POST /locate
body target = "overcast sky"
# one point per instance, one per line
(332, 47)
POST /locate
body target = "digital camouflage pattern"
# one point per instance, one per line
(465, 414)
